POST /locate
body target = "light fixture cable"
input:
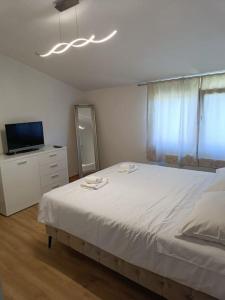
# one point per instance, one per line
(60, 29)
(76, 22)
(62, 47)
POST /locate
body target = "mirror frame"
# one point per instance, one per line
(79, 157)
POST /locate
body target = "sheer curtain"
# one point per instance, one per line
(211, 82)
(173, 121)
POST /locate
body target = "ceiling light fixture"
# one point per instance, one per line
(76, 44)
(62, 47)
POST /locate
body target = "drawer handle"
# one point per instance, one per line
(52, 155)
(22, 163)
(55, 187)
(54, 166)
(55, 176)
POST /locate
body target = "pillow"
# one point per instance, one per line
(220, 171)
(207, 220)
(218, 183)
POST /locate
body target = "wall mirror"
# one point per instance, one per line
(87, 146)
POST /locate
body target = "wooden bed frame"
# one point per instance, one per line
(164, 287)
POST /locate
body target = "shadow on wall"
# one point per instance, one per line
(3, 144)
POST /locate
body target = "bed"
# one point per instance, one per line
(130, 225)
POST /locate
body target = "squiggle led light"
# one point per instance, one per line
(66, 46)
(105, 39)
(78, 43)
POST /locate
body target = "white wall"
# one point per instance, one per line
(28, 95)
(121, 123)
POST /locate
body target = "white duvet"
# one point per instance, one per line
(136, 217)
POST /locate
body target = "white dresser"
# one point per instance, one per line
(24, 178)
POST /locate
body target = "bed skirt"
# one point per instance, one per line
(162, 286)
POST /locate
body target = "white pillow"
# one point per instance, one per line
(218, 183)
(207, 220)
(220, 171)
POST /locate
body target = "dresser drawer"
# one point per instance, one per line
(52, 167)
(54, 177)
(52, 157)
(20, 164)
(54, 185)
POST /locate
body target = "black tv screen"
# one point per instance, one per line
(24, 136)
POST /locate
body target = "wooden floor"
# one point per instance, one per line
(30, 271)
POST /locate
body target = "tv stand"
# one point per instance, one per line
(23, 151)
(25, 177)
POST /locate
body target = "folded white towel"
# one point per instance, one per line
(93, 179)
(127, 168)
(94, 186)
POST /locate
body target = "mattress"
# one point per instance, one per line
(136, 217)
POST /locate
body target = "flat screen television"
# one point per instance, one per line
(24, 136)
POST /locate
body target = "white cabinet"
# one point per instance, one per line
(53, 169)
(25, 177)
(21, 184)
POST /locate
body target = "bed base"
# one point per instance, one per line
(164, 287)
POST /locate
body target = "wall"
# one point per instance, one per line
(29, 95)
(121, 123)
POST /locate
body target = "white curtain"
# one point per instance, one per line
(173, 120)
(213, 82)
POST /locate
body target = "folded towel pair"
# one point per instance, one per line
(127, 168)
(94, 186)
(93, 179)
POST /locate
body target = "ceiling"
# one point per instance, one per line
(156, 39)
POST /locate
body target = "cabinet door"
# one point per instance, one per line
(21, 184)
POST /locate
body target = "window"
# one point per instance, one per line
(186, 120)
(212, 125)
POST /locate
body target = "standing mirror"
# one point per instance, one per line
(86, 134)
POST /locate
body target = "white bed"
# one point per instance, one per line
(136, 217)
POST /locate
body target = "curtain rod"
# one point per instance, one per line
(182, 77)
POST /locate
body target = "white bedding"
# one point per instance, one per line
(136, 217)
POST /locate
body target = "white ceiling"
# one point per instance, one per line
(156, 39)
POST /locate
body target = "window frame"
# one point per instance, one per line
(202, 93)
